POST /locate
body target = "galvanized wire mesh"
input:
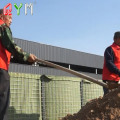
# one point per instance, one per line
(90, 91)
(61, 97)
(25, 97)
(35, 97)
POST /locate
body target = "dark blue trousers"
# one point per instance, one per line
(105, 90)
(4, 94)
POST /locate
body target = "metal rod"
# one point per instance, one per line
(73, 72)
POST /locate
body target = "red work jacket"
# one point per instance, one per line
(107, 75)
(5, 55)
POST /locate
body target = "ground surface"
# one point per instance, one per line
(103, 108)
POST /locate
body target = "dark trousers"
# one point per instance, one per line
(105, 90)
(4, 94)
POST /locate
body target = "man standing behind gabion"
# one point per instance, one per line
(111, 67)
(8, 48)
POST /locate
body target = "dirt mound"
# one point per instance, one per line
(103, 108)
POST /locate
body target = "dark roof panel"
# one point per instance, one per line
(62, 55)
(45, 70)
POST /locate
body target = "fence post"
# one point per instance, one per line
(81, 93)
(43, 99)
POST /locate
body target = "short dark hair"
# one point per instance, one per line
(1, 11)
(116, 35)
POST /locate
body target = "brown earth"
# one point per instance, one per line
(103, 108)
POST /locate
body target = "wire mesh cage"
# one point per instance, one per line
(61, 97)
(25, 97)
(40, 97)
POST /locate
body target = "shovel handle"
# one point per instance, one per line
(73, 72)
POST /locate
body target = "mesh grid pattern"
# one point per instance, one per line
(25, 97)
(50, 98)
(62, 97)
(90, 91)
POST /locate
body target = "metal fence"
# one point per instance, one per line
(36, 97)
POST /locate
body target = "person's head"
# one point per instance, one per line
(6, 18)
(117, 37)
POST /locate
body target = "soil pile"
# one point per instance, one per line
(103, 108)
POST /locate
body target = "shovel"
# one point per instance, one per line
(91, 79)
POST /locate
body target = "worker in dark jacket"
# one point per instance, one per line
(8, 48)
(111, 68)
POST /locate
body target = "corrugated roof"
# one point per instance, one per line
(57, 55)
(62, 55)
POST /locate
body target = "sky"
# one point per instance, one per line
(83, 25)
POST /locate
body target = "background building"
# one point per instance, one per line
(40, 92)
(86, 63)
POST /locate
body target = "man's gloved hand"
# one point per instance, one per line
(32, 58)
